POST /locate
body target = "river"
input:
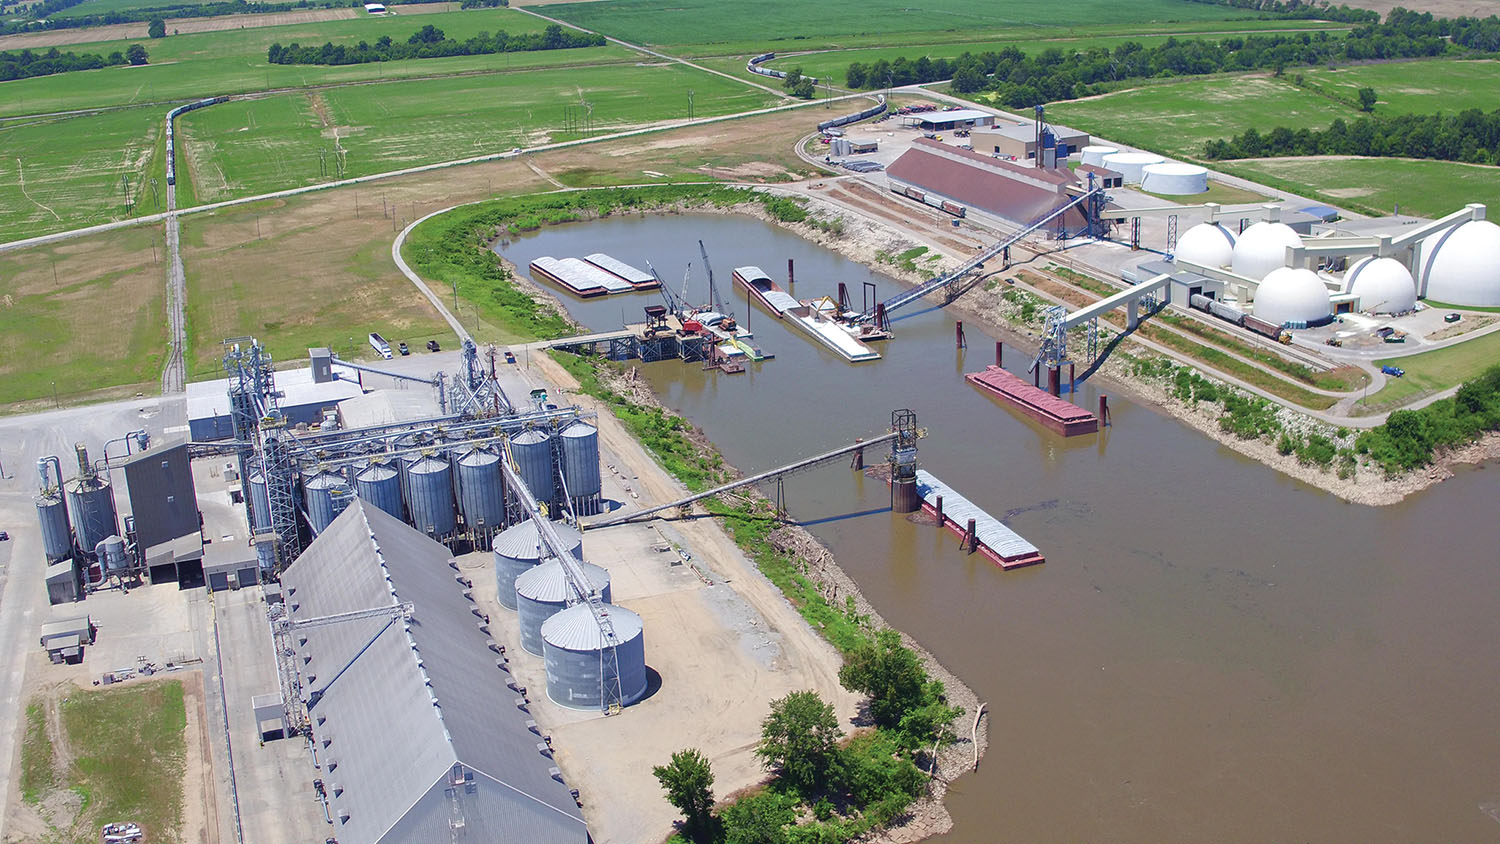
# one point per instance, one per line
(1212, 652)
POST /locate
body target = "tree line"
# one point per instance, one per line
(1021, 81)
(430, 42)
(24, 64)
(1298, 10)
(1470, 136)
(1409, 439)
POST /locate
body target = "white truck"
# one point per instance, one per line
(380, 346)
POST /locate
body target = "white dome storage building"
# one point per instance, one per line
(1383, 285)
(1174, 179)
(1094, 154)
(1293, 297)
(1207, 245)
(1262, 248)
(1130, 164)
(1461, 266)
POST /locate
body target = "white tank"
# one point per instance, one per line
(1207, 245)
(1293, 296)
(1383, 285)
(1174, 179)
(1461, 266)
(1262, 248)
(573, 642)
(1094, 154)
(1131, 165)
(543, 591)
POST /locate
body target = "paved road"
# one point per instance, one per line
(436, 300)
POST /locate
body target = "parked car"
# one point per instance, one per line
(403, 349)
(4, 537)
(1394, 371)
(1452, 318)
(432, 346)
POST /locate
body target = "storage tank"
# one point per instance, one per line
(532, 451)
(1130, 164)
(52, 512)
(1383, 285)
(1174, 179)
(429, 482)
(380, 484)
(543, 591)
(325, 495)
(1294, 297)
(573, 643)
(91, 507)
(1262, 248)
(111, 554)
(260, 504)
(580, 465)
(1458, 266)
(1094, 154)
(1207, 245)
(481, 493)
(518, 549)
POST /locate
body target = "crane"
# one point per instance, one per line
(715, 304)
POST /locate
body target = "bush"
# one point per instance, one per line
(1410, 438)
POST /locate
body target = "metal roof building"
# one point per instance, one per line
(420, 736)
(1017, 192)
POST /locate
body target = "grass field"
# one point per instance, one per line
(1377, 185)
(1415, 87)
(129, 753)
(715, 22)
(233, 62)
(1432, 372)
(104, 7)
(83, 315)
(65, 173)
(257, 146)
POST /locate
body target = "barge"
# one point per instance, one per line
(638, 278)
(765, 291)
(579, 277)
(817, 318)
(1056, 414)
(990, 537)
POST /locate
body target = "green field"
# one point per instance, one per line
(1415, 87)
(257, 146)
(1377, 185)
(1432, 372)
(118, 737)
(716, 22)
(232, 62)
(104, 7)
(72, 168)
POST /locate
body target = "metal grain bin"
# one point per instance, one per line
(545, 590)
(91, 505)
(380, 485)
(57, 538)
(518, 549)
(532, 451)
(481, 493)
(326, 495)
(573, 643)
(580, 465)
(112, 559)
(429, 482)
(260, 504)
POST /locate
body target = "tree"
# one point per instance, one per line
(887, 671)
(761, 819)
(428, 34)
(1366, 99)
(156, 28)
(136, 55)
(689, 783)
(799, 739)
(805, 89)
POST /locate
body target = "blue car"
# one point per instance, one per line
(1393, 370)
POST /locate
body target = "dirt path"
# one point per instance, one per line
(200, 817)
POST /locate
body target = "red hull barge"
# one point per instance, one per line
(1056, 414)
(992, 539)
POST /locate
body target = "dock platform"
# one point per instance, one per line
(1058, 415)
(1003, 546)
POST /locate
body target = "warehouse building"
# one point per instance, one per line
(947, 121)
(1016, 192)
(420, 735)
(1019, 140)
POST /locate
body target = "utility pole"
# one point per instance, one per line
(691, 113)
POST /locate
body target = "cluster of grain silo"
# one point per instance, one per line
(1458, 266)
(519, 549)
(1094, 154)
(76, 515)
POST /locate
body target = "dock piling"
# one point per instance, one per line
(1072, 379)
(859, 456)
(958, 335)
(1054, 379)
(791, 277)
(999, 352)
(971, 537)
(1103, 409)
(939, 506)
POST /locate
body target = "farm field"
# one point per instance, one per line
(65, 173)
(207, 64)
(104, 7)
(1416, 87)
(83, 315)
(713, 22)
(1377, 185)
(248, 147)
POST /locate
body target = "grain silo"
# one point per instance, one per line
(518, 549)
(580, 466)
(1130, 165)
(574, 645)
(481, 493)
(91, 504)
(532, 451)
(429, 489)
(1383, 285)
(52, 513)
(1094, 154)
(1207, 245)
(545, 590)
(1174, 179)
(1458, 266)
(325, 494)
(380, 485)
(260, 504)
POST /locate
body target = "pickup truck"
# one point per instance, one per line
(432, 346)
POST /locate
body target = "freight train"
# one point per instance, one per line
(171, 119)
(936, 202)
(1230, 313)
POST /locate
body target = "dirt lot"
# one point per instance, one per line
(184, 26)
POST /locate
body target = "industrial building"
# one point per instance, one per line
(1019, 140)
(947, 121)
(412, 714)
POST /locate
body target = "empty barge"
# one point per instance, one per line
(1006, 548)
(817, 319)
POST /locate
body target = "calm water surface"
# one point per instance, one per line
(1212, 653)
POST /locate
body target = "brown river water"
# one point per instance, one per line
(1212, 653)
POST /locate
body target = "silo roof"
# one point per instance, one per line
(521, 541)
(547, 583)
(579, 428)
(575, 628)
